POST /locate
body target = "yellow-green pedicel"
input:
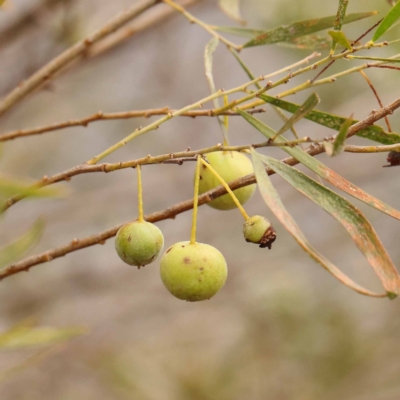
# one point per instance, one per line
(230, 165)
(139, 243)
(193, 272)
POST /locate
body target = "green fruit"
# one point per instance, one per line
(139, 243)
(193, 272)
(230, 165)
(259, 230)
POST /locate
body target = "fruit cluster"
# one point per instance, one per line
(190, 270)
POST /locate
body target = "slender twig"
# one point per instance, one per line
(85, 168)
(364, 75)
(171, 212)
(175, 158)
(383, 66)
(100, 116)
(148, 19)
(205, 26)
(353, 43)
(72, 53)
(155, 125)
(372, 149)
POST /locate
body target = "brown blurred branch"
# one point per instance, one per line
(179, 208)
(150, 18)
(46, 72)
(99, 116)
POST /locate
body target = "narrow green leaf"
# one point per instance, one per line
(13, 187)
(231, 9)
(208, 62)
(27, 336)
(374, 132)
(390, 18)
(285, 33)
(352, 219)
(300, 113)
(341, 12)
(273, 201)
(308, 42)
(340, 37)
(241, 32)
(15, 250)
(322, 170)
(335, 148)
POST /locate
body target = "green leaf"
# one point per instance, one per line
(358, 227)
(24, 335)
(340, 15)
(322, 170)
(390, 18)
(17, 187)
(340, 37)
(15, 250)
(373, 132)
(300, 113)
(208, 62)
(231, 9)
(335, 148)
(308, 42)
(273, 201)
(285, 33)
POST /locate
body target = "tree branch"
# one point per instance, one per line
(70, 54)
(100, 116)
(179, 208)
(107, 167)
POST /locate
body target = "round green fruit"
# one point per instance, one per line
(193, 272)
(139, 243)
(230, 165)
(258, 229)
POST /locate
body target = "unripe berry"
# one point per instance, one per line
(193, 272)
(139, 243)
(230, 165)
(258, 229)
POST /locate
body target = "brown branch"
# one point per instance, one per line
(100, 116)
(107, 167)
(46, 72)
(152, 17)
(364, 75)
(383, 66)
(353, 43)
(179, 208)
(100, 238)
(110, 167)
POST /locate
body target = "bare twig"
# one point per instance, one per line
(179, 208)
(353, 43)
(364, 75)
(100, 116)
(150, 18)
(205, 26)
(72, 53)
(110, 167)
(372, 149)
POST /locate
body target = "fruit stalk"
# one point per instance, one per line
(140, 193)
(228, 189)
(195, 201)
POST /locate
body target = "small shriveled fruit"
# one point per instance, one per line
(230, 165)
(193, 272)
(139, 243)
(258, 229)
(393, 158)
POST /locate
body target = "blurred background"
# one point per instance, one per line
(281, 328)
